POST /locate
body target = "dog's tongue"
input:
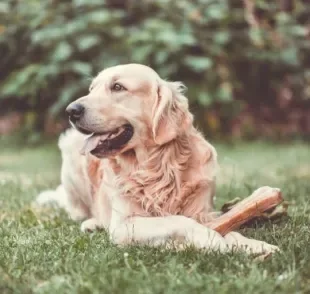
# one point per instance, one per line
(92, 142)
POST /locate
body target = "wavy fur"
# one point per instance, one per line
(161, 184)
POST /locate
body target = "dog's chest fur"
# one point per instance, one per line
(172, 181)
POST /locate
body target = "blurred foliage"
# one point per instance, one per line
(236, 57)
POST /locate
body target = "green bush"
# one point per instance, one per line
(235, 59)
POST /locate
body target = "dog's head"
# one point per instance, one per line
(129, 105)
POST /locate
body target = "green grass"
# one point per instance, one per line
(44, 252)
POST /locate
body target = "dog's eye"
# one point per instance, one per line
(118, 87)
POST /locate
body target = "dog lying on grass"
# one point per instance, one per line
(135, 165)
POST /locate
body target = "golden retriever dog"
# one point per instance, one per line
(135, 165)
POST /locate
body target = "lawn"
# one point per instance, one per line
(42, 251)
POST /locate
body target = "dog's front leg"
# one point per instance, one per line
(158, 230)
(236, 241)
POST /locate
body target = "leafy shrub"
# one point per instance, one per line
(236, 58)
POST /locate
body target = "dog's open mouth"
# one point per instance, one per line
(107, 143)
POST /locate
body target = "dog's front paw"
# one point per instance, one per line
(89, 225)
(251, 246)
(256, 247)
(260, 247)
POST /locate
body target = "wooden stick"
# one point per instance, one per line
(250, 207)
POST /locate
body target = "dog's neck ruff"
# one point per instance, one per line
(155, 186)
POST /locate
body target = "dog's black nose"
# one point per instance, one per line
(75, 111)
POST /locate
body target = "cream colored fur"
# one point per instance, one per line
(160, 187)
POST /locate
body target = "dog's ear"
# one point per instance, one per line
(170, 114)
